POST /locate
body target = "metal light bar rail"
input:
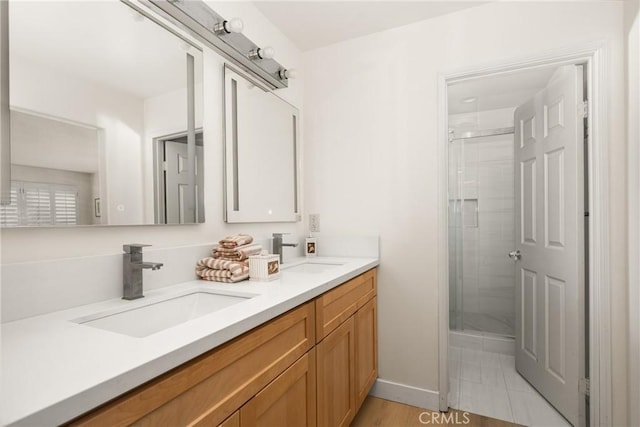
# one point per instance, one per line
(200, 20)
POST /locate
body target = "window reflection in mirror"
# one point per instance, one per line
(99, 97)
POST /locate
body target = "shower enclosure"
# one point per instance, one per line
(481, 232)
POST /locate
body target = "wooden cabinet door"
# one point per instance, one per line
(336, 376)
(366, 350)
(290, 400)
(232, 421)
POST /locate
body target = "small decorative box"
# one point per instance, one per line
(310, 248)
(263, 268)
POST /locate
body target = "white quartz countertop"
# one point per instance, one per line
(54, 369)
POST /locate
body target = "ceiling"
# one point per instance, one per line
(313, 24)
(496, 92)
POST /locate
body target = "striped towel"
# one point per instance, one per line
(219, 270)
(236, 240)
(240, 253)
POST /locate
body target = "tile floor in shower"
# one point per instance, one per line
(487, 383)
(485, 322)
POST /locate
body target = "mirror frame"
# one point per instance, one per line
(5, 124)
(231, 189)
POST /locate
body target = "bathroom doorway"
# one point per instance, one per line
(172, 178)
(518, 261)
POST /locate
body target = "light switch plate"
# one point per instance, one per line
(314, 223)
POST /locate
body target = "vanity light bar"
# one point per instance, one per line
(203, 22)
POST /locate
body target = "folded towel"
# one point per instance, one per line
(240, 253)
(219, 270)
(236, 240)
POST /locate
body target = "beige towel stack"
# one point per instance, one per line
(228, 261)
(220, 270)
(241, 253)
(236, 248)
(231, 242)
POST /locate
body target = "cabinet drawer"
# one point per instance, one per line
(335, 306)
(290, 400)
(208, 389)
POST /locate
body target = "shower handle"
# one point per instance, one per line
(516, 255)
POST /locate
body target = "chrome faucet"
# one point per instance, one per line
(277, 244)
(132, 266)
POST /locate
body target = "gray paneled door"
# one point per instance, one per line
(180, 208)
(549, 174)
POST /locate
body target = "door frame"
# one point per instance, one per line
(595, 58)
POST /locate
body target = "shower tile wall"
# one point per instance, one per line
(485, 288)
(488, 274)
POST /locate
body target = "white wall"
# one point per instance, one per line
(41, 244)
(371, 147)
(632, 35)
(46, 143)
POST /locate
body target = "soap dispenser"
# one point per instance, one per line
(311, 246)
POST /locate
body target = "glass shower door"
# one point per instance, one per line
(481, 231)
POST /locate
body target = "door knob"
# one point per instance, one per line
(515, 255)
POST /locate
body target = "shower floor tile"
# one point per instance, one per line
(483, 322)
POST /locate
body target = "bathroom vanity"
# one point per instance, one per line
(318, 359)
(302, 348)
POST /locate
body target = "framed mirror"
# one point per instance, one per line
(262, 165)
(106, 117)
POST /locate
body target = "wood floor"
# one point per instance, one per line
(385, 413)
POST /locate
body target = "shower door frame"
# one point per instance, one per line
(595, 58)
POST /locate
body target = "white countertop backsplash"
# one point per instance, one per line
(54, 369)
(34, 288)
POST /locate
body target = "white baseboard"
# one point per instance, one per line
(409, 395)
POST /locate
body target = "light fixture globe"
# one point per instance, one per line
(234, 25)
(287, 73)
(266, 52)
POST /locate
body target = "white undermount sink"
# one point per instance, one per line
(311, 267)
(156, 316)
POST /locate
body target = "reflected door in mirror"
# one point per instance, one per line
(173, 205)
